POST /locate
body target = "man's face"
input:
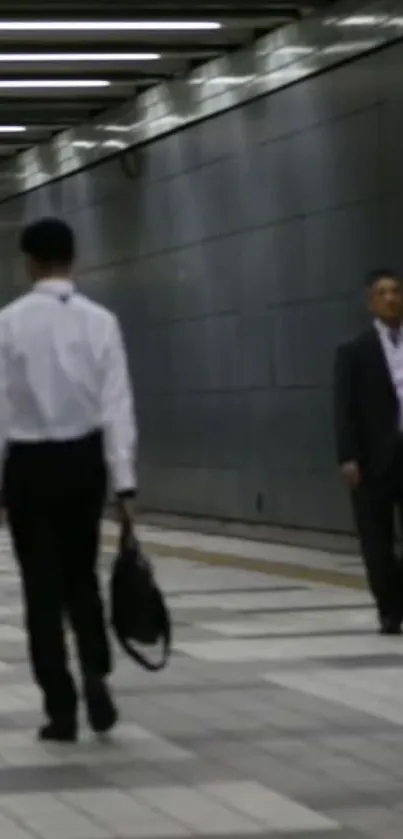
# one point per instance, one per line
(386, 300)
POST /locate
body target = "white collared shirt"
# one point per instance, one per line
(64, 374)
(394, 358)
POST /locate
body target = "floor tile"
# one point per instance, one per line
(272, 810)
(118, 812)
(279, 716)
(197, 811)
(13, 830)
(47, 817)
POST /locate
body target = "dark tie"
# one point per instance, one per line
(394, 336)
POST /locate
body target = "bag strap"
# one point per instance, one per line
(141, 659)
(127, 536)
(128, 539)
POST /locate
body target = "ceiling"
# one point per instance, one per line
(45, 87)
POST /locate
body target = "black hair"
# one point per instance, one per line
(50, 242)
(373, 276)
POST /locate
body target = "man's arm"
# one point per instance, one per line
(344, 415)
(119, 421)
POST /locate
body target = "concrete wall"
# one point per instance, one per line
(235, 260)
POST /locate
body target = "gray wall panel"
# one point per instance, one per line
(392, 228)
(352, 240)
(235, 257)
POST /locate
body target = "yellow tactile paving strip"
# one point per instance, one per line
(287, 570)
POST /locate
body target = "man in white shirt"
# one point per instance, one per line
(66, 420)
(368, 392)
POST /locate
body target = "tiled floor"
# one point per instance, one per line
(281, 714)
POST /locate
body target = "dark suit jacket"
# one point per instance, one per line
(366, 406)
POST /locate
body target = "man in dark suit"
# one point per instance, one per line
(368, 396)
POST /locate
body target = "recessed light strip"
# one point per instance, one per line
(107, 26)
(12, 129)
(39, 57)
(25, 84)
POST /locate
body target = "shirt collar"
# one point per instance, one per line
(384, 330)
(58, 288)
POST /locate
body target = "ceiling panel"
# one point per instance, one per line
(61, 63)
(116, 108)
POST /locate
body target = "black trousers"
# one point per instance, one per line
(54, 495)
(378, 506)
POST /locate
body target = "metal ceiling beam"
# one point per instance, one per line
(81, 9)
(54, 111)
(167, 51)
(64, 75)
(80, 106)
(81, 103)
(41, 125)
(238, 16)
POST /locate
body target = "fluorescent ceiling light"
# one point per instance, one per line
(361, 20)
(115, 128)
(291, 51)
(224, 80)
(114, 144)
(24, 84)
(350, 46)
(106, 26)
(91, 144)
(231, 80)
(289, 74)
(49, 57)
(12, 129)
(84, 144)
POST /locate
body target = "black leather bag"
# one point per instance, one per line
(139, 615)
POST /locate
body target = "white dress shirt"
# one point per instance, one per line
(64, 374)
(392, 346)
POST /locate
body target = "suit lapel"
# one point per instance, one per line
(377, 361)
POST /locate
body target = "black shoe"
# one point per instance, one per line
(102, 713)
(61, 731)
(390, 626)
